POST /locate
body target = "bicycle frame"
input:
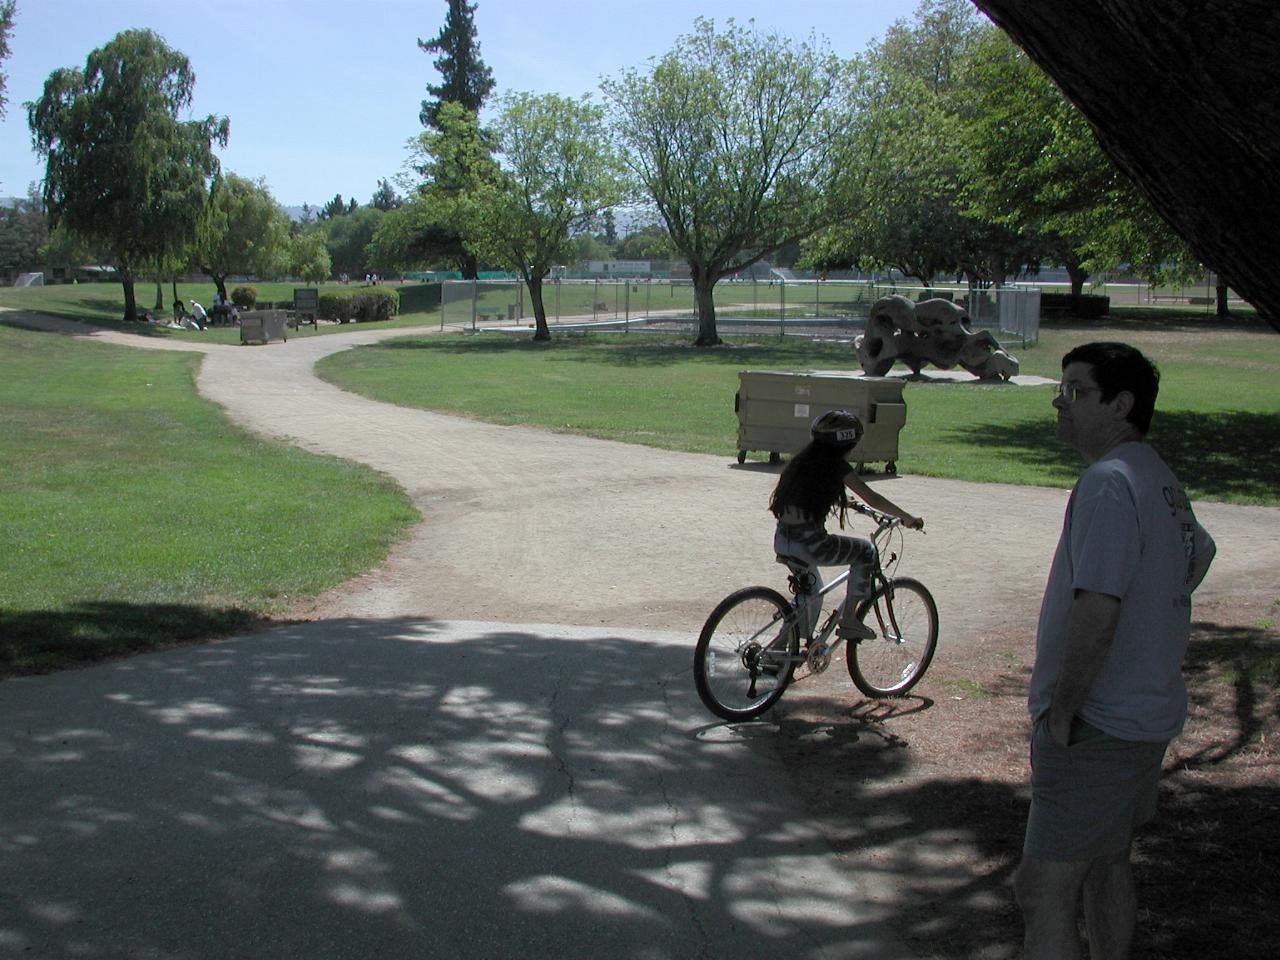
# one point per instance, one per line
(816, 651)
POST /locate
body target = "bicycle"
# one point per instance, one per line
(751, 644)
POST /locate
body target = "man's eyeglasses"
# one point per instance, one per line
(1069, 391)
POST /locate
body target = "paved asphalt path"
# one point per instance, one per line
(412, 774)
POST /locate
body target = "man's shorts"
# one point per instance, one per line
(1087, 797)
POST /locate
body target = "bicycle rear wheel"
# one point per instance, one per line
(742, 662)
(905, 619)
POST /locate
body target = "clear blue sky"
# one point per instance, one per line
(323, 95)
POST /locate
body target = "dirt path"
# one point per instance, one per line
(526, 525)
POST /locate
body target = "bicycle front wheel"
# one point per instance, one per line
(745, 653)
(905, 619)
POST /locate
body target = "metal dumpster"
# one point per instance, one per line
(775, 409)
(263, 326)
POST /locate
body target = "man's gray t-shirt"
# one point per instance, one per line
(1129, 533)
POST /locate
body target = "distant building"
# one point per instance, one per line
(619, 268)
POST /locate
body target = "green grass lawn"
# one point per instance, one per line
(1217, 421)
(135, 515)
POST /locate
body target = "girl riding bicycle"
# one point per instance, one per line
(814, 485)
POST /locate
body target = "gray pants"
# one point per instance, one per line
(811, 546)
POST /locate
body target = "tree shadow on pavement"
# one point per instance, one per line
(399, 788)
(409, 788)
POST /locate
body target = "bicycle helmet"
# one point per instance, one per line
(837, 428)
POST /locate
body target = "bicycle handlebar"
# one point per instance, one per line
(883, 520)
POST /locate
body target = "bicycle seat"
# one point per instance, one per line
(791, 561)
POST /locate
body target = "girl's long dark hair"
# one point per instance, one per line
(813, 481)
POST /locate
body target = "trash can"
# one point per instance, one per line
(263, 326)
(775, 409)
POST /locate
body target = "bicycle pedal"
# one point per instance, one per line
(856, 630)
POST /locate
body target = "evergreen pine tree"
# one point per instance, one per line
(465, 78)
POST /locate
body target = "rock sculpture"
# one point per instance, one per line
(932, 331)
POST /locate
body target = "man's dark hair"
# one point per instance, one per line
(1117, 367)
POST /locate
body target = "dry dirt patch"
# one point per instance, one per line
(933, 788)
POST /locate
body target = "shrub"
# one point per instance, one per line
(359, 305)
(244, 297)
(335, 306)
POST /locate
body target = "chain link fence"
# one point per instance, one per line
(834, 308)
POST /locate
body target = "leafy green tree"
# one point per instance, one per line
(390, 249)
(347, 239)
(309, 256)
(66, 249)
(742, 141)
(904, 211)
(453, 160)
(586, 247)
(650, 242)
(465, 79)
(385, 197)
(244, 231)
(558, 174)
(24, 230)
(1034, 165)
(121, 169)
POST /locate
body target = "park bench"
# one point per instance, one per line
(306, 307)
(263, 326)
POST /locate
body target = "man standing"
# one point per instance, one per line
(1107, 693)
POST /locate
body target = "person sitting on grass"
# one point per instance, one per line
(816, 484)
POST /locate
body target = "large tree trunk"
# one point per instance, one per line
(130, 297)
(1078, 275)
(470, 267)
(1181, 94)
(541, 330)
(704, 283)
(1223, 308)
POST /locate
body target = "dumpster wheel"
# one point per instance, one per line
(891, 467)
(742, 456)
